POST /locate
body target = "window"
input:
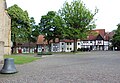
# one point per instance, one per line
(99, 42)
(85, 41)
(54, 44)
(67, 43)
(70, 48)
(67, 48)
(24, 50)
(62, 43)
(70, 43)
(78, 43)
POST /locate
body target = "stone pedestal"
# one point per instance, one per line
(1, 51)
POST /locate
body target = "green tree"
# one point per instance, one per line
(78, 20)
(116, 38)
(52, 26)
(20, 24)
(34, 31)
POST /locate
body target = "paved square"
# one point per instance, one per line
(86, 67)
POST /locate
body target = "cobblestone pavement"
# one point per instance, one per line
(86, 67)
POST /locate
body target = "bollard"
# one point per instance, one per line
(8, 67)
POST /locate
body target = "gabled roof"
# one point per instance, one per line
(26, 44)
(111, 34)
(99, 34)
(41, 40)
(99, 37)
(100, 31)
(66, 40)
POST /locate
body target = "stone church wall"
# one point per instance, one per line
(5, 30)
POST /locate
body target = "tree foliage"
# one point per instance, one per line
(20, 23)
(51, 26)
(73, 21)
(34, 31)
(78, 20)
(23, 28)
(116, 38)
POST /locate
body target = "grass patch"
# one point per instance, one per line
(21, 59)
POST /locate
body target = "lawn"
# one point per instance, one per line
(22, 59)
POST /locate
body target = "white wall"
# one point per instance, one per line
(105, 47)
(106, 42)
(79, 44)
(69, 46)
(55, 47)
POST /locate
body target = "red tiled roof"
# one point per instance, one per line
(26, 44)
(91, 37)
(111, 34)
(101, 32)
(106, 37)
(56, 40)
(41, 40)
(67, 40)
(97, 32)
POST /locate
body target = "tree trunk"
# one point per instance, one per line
(14, 45)
(75, 45)
(36, 48)
(49, 46)
(29, 47)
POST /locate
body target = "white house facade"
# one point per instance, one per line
(100, 41)
(62, 46)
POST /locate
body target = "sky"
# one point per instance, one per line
(107, 17)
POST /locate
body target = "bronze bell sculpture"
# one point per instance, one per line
(8, 67)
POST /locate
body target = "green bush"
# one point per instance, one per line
(44, 53)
